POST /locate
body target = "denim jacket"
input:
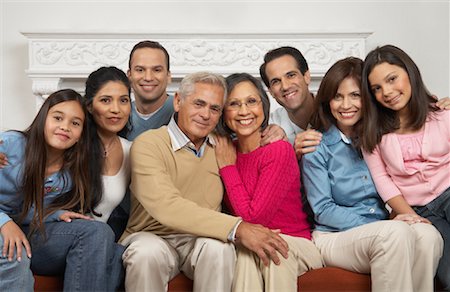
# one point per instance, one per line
(11, 176)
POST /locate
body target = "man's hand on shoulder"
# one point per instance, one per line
(262, 241)
(3, 158)
(443, 103)
(272, 133)
(306, 142)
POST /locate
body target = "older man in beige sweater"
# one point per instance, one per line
(175, 222)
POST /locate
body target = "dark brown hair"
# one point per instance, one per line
(75, 162)
(232, 81)
(151, 45)
(94, 83)
(350, 67)
(271, 55)
(379, 120)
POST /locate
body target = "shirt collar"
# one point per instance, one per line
(179, 139)
(345, 138)
(333, 135)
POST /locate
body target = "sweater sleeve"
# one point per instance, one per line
(154, 188)
(318, 189)
(383, 181)
(276, 175)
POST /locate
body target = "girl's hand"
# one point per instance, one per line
(411, 218)
(13, 240)
(69, 215)
(225, 151)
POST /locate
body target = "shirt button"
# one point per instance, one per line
(372, 210)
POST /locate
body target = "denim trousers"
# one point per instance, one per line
(438, 212)
(15, 275)
(119, 216)
(83, 251)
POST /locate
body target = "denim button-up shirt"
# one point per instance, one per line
(11, 197)
(338, 185)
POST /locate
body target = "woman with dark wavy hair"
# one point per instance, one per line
(108, 101)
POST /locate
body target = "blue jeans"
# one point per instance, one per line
(438, 212)
(119, 216)
(83, 251)
(15, 276)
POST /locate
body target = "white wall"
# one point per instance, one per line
(421, 28)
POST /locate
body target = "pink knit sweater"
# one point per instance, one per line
(264, 188)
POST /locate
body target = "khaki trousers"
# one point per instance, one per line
(251, 274)
(152, 261)
(399, 257)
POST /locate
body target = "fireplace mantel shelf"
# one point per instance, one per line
(60, 59)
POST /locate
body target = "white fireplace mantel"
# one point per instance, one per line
(64, 59)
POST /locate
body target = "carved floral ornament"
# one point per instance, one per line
(75, 55)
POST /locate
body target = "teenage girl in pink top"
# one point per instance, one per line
(263, 187)
(406, 139)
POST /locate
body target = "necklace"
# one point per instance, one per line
(108, 148)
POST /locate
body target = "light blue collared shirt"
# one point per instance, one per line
(338, 185)
(179, 140)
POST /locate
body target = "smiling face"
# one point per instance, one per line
(286, 83)
(244, 112)
(199, 112)
(391, 86)
(345, 106)
(111, 107)
(149, 75)
(63, 125)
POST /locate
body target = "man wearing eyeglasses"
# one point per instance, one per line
(175, 178)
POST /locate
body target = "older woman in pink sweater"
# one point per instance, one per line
(263, 187)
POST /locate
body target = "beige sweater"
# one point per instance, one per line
(175, 192)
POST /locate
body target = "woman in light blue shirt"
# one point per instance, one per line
(351, 231)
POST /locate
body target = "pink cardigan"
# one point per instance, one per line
(418, 187)
(264, 188)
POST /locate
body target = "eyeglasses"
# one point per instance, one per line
(236, 105)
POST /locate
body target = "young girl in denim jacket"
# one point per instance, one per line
(44, 194)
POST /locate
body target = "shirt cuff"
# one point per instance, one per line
(3, 219)
(232, 235)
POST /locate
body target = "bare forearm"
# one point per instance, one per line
(400, 206)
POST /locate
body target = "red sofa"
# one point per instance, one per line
(325, 279)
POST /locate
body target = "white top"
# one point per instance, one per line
(115, 186)
(281, 118)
